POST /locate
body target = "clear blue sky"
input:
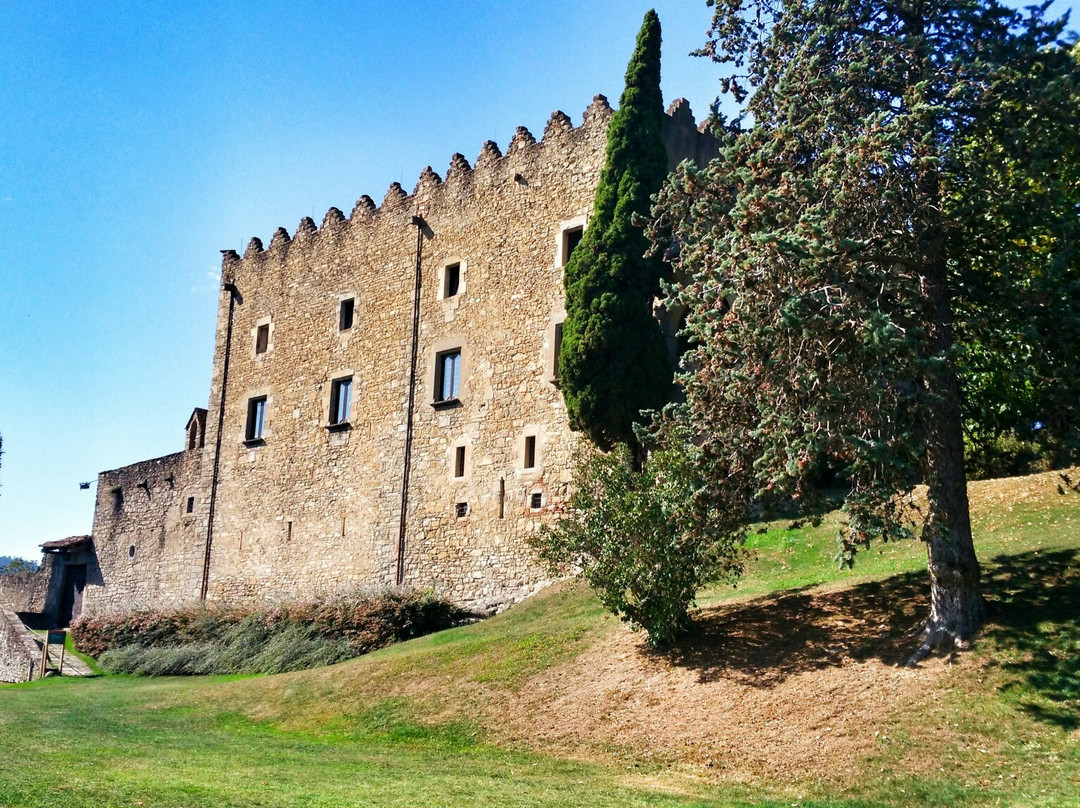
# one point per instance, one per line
(137, 139)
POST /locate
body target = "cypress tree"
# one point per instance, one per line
(613, 362)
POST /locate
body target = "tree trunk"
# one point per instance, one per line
(956, 604)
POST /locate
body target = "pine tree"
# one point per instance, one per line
(899, 191)
(613, 362)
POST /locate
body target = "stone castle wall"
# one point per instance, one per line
(149, 549)
(18, 653)
(312, 507)
(27, 591)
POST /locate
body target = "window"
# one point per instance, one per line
(530, 451)
(536, 500)
(447, 375)
(461, 510)
(571, 239)
(345, 314)
(459, 462)
(256, 419)
(190, 507)
(262, 338)
(451, 280)
(340, 399)
(557, 350)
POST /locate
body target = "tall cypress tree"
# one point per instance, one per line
(613, 363)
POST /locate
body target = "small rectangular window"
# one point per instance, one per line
(190, 507)
(262, 338)
(461, 510)
(448, 375)
(256, 419)
(459, 461)
(345, 314)
(340, 399)
(451, 280)
(571, 239)
(536, 501)
(530, 452)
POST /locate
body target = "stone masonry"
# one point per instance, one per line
(322, 323)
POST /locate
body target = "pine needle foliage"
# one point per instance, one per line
(613, 361)
(897, 208)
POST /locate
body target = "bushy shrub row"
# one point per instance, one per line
(223, 639)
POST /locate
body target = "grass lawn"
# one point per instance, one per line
(789, 694)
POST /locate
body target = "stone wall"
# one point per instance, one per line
(19, 655)
(149, 548)
(308, 506)
(27, 591)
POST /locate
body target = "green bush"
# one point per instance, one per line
(293, 636)
(1006, 455)
(644, 540)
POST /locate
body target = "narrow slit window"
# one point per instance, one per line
(190, 507)
(558, 348)
(256, 419)
(451, 280)
(340, 399)
(262, 338)
(459, 462)
(448, 375)
(345, 314)
(530, 452)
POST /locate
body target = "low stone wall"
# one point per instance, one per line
(26, 591)
(18, 653)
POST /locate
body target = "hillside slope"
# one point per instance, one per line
(804, 684)
(792, 691)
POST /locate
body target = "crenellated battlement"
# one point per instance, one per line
(686, 139)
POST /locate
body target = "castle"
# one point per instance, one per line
(384, 405)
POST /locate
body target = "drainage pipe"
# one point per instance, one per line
(233, 295)
(420, 224)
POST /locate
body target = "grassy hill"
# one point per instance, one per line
(791, 693)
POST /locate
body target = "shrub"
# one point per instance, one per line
(642, 538)
(1006, 455)
(213, 639)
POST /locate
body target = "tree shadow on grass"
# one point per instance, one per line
(763, 642)
(1033, 610)
(1034, 617)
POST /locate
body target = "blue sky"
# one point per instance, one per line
(137, 139)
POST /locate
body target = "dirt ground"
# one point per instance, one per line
(808, 684)
(808, 688)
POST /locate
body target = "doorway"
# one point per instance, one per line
(72, 597)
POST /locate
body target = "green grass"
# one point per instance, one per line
(112, 742)
(411, 725)
(89, 661)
